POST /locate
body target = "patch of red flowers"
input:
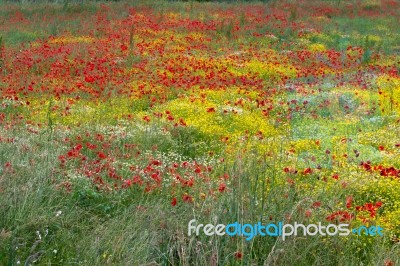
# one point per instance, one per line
(370, 207)
(383, 171)
(341, 216)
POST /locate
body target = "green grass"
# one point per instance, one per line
(87, 227)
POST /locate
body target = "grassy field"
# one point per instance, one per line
(120, 122)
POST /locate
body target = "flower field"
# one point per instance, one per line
(122, 121)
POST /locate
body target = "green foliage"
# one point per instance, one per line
(1, 54)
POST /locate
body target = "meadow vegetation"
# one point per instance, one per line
(122, 121)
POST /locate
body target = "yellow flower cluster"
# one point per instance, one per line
(385, 190)
(317, 47)
(389, 94)
(266, 70)
(224, 121)
(71, 39)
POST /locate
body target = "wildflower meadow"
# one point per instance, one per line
(200, 132)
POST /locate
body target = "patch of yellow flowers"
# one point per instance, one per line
(71, 39)
(266, 70)
(223, 121)
(389, 94)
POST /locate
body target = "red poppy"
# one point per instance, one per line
(307, 171)
(101, 155)
(127, 183)
(222, 187)
(286, 169)
(91, 146)
(146, 118)
(187, 198)
(316, 204)
(182, 122)
(173, 201)
(124, 47)
(349, 202)
(388, 263)
(89, 79)
(238, 255)
(156, 162)
(137, 180)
